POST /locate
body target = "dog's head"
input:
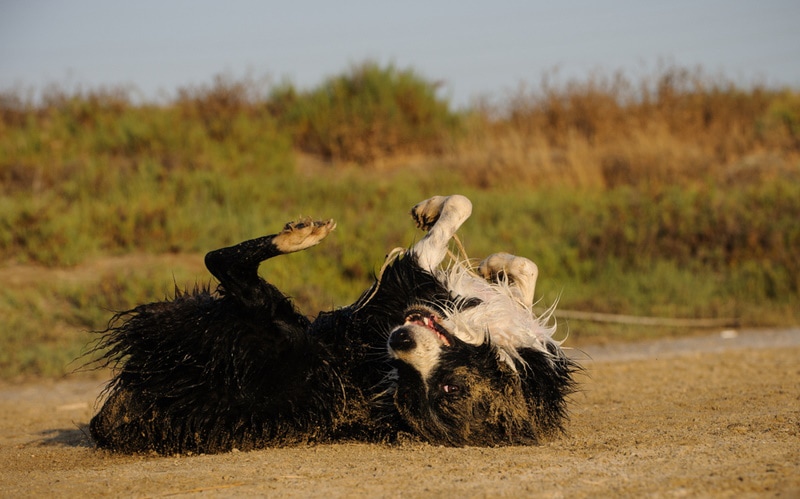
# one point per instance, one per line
(481, 370)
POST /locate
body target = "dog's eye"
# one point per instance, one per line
(451, 389)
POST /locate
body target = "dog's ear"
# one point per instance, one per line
(546, 379)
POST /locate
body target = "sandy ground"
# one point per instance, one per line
(711, 416)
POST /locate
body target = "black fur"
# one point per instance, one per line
(476, 399)
(239, 367)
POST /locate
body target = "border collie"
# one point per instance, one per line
(448, 354)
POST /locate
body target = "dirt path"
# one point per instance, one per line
(701, 417)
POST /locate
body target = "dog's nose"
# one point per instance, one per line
(401, 339)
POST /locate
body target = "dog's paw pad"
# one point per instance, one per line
(517, 271)
(302, 234)
(501, 266)
(426, 213)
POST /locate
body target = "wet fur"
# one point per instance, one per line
(240, 367)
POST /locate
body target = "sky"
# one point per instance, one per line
(475, 49)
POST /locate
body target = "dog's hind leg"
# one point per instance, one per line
(236, 266)
(520, 272)
(441, 216)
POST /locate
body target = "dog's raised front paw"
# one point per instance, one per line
(302, 234)
(427, 213)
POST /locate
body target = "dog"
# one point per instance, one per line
(446, 354)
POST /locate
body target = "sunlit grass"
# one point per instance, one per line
(677, 196)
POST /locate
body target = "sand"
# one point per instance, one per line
(712, 416)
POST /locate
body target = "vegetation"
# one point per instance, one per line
(366, 115)
(675, 196)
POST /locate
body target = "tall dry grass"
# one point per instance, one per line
(678, 126)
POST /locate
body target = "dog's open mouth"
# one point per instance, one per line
(429, 319)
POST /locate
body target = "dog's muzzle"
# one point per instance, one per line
(421, 326)
(420, 341)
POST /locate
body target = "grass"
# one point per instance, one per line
(675, 196)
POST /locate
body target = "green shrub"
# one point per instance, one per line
(368, 114)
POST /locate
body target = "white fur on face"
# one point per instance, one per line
(424, 357)
(501, 318)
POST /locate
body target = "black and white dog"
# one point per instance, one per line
(450, 355)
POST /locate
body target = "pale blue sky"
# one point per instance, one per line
(474, 48)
